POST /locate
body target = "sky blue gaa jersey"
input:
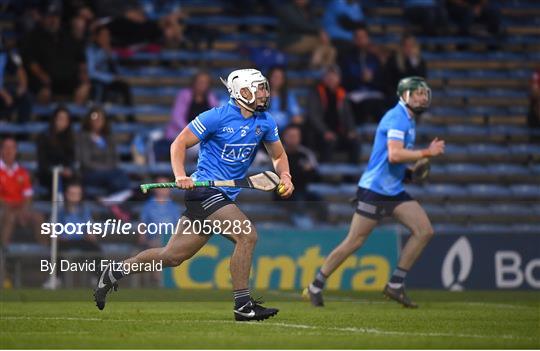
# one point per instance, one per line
(381, 176)
(229, 142)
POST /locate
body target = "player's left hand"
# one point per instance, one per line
(285, 187)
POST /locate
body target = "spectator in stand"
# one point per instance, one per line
(189, 103)
(74, 211)
(103, 70)
(98, 156)
(56, 147)
(55, 61)
(14, 94)
(426, 17)
(467, 12)
(15, 197)
(303, 166)
(300, 33)
(130, 26)
(330, 115)
(407, 61)
(363, 78)
(283, 104)
(160, 208)
(341, 18)
(533, 117)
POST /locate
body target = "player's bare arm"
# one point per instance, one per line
(281, 165)
(183, 141)
(397, 153)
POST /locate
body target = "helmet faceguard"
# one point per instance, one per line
(407, 86)
(250, 79)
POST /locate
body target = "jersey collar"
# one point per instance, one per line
(234, 105)
(9, 170)
(404, 109)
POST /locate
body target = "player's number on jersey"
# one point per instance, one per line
(243, 132)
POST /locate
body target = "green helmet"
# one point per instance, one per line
(410, 84)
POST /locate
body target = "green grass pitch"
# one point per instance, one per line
(203, 319)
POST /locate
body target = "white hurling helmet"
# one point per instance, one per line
(246, 78)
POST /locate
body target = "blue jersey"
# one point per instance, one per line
(381, 176)
(229, 142)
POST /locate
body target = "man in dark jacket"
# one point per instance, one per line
(330, 115)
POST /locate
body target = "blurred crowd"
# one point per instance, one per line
(71, 51)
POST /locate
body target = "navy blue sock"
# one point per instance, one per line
(318, 283)
(398, 278)
(241, 297)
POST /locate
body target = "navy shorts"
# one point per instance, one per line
(202, 202)
(376, 206)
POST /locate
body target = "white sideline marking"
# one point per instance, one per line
(289, 325)
(368, 330)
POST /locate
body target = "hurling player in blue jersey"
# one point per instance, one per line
(381, 193)
(229, 137)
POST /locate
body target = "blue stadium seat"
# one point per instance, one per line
(416, 191)
(322, 189)
(525, 228)
(456, 151)
(152, 109)
(509, 130)
(509, 170)
(27, 249)
(467, 210)
(489, 191)
(348, 190)
(31, 166)
(511, 210)
(535, 168)
(26, 128)
(526, 191)
(26, 147)
(467, 131)
(532, 150)
(488, 228)
(435, 210)
(445, 191)
(487, 150)
(465, 170)
(449, 229)
(341, 169)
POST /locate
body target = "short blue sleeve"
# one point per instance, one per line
(205, 124)
(272, 133)
(396, 128)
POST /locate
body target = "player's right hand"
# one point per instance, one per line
(184, 182)
(436, 147)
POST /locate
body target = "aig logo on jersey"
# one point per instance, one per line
(237, 152)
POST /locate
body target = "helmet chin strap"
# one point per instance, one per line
(244, 105)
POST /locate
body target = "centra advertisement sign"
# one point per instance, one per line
(289, 259)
